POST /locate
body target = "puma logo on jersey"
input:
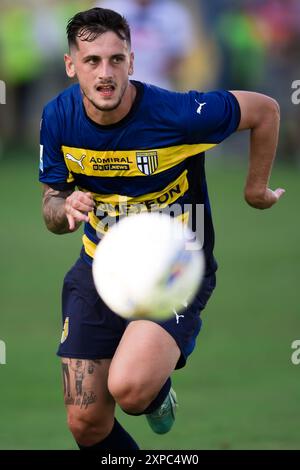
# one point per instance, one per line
(73, 159)
(199, 110)
(178, 316)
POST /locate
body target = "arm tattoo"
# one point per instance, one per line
(54, 210)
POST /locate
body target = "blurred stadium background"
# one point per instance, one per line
(240, 389)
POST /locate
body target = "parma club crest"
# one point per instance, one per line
(147, 162)
(65, 331)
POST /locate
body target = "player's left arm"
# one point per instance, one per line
(261, 115)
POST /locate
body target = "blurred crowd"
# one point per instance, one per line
(179, 44)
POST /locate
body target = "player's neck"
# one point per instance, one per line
(106, 118)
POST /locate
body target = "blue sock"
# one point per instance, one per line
(159, 398)
(118, 439)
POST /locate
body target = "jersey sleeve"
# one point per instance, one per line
(211, 117)
(53, 170)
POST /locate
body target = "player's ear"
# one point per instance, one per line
(70, 68)
(130, 72)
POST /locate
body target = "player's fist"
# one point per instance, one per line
(264, 200)
(77, 207)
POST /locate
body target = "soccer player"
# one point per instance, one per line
(127, 145)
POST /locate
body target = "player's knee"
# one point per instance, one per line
(86, 430)
(132, 396)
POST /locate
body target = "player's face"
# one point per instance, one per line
(102, 68)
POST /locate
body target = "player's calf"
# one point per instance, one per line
(89, 430)
(133, 396)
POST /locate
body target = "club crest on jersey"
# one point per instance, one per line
(147, 162)
(65, 332)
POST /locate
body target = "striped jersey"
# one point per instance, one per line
(151, 160)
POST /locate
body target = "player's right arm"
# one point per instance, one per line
(64, 211)
(63, 208)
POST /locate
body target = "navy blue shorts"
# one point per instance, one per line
(92, 331)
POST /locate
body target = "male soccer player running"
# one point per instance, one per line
(127, 145)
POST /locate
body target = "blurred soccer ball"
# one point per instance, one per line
(143, 269)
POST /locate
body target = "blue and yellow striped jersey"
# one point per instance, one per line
(153, 159)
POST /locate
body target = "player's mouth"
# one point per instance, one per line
(106, 91)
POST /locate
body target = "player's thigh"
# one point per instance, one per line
(86, 394)
(145, 358)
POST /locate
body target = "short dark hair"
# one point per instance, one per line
(88, 25)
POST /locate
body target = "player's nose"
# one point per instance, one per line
(105, 70)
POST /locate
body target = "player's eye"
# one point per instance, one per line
(92, 60)
(118, 59)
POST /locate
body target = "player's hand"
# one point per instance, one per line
(264, 200)
(77, 207)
